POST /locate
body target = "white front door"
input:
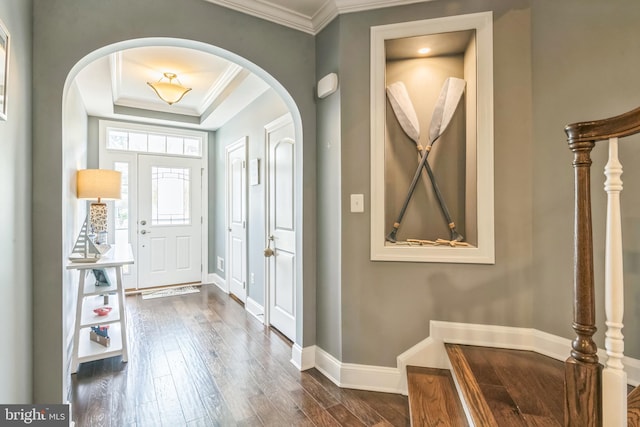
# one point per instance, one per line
(169, 220)
(235, 164)
(281, 225)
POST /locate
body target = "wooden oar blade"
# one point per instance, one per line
(403, 109)
(448, 101)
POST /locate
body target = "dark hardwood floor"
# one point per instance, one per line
(202, 360)
(521, 388)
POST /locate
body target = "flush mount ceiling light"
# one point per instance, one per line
(170, 92)
(424, 50)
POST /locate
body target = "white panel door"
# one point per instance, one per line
(169, 220)
(235, 164)
(281, 226)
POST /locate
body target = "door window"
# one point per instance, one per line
(170, 196)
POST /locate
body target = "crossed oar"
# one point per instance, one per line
(446, 105)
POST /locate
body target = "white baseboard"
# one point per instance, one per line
(303, 358)
(361, 377)
(255, 309)
(431, 353)
(218, 281)
(328, 365)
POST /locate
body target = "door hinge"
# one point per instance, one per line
(201, 268)
(244, 164)
(244, 285)
(244, 224)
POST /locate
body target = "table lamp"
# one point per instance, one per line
(99, 185)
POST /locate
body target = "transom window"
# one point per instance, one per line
(157, 140)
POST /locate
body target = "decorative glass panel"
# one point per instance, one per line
(170, 196)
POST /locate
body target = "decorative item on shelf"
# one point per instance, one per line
(101, 277)
(102, 311)
(98, 184)
(407, 118)
(100, 334)
(169, 92)
(446, 105)
(84, 249)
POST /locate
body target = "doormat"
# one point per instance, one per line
(170, 292)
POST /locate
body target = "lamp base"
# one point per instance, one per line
(98, 217)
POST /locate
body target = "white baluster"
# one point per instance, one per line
(614, 378)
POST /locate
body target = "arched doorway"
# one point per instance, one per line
(76, 151)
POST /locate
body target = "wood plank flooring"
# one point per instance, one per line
(520, 388)
(433, 398)
(202, 360)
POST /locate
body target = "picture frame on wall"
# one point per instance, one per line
(4, 69)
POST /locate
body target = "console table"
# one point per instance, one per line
(91, 297)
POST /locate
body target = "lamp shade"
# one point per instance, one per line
(98, 184)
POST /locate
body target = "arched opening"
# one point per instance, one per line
(75, 153)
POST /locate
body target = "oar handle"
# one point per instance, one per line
(391, 237)
(455, 236)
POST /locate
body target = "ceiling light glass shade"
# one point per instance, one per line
(169, 91)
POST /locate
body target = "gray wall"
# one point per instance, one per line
(387, 306)
(554, 63)
(15, 211)
(329, 328)
(74, 213)
(249, 123)
(65, 31)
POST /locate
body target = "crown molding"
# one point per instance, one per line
(270, 12)
(309, 24)
(348, 6)
(324, 16)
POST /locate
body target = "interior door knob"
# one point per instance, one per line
(268, 252)
(144, 232)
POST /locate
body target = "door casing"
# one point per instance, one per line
(235, 230)
(106, 158)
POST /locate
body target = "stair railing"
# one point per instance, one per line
(585, 382)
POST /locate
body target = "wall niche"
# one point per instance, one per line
(432, 140)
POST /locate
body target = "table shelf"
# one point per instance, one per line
(90, 350)
(89, 318)
(91, 297)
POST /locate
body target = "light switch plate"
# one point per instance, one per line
(357, 203)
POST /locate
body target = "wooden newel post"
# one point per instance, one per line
(583, 396)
